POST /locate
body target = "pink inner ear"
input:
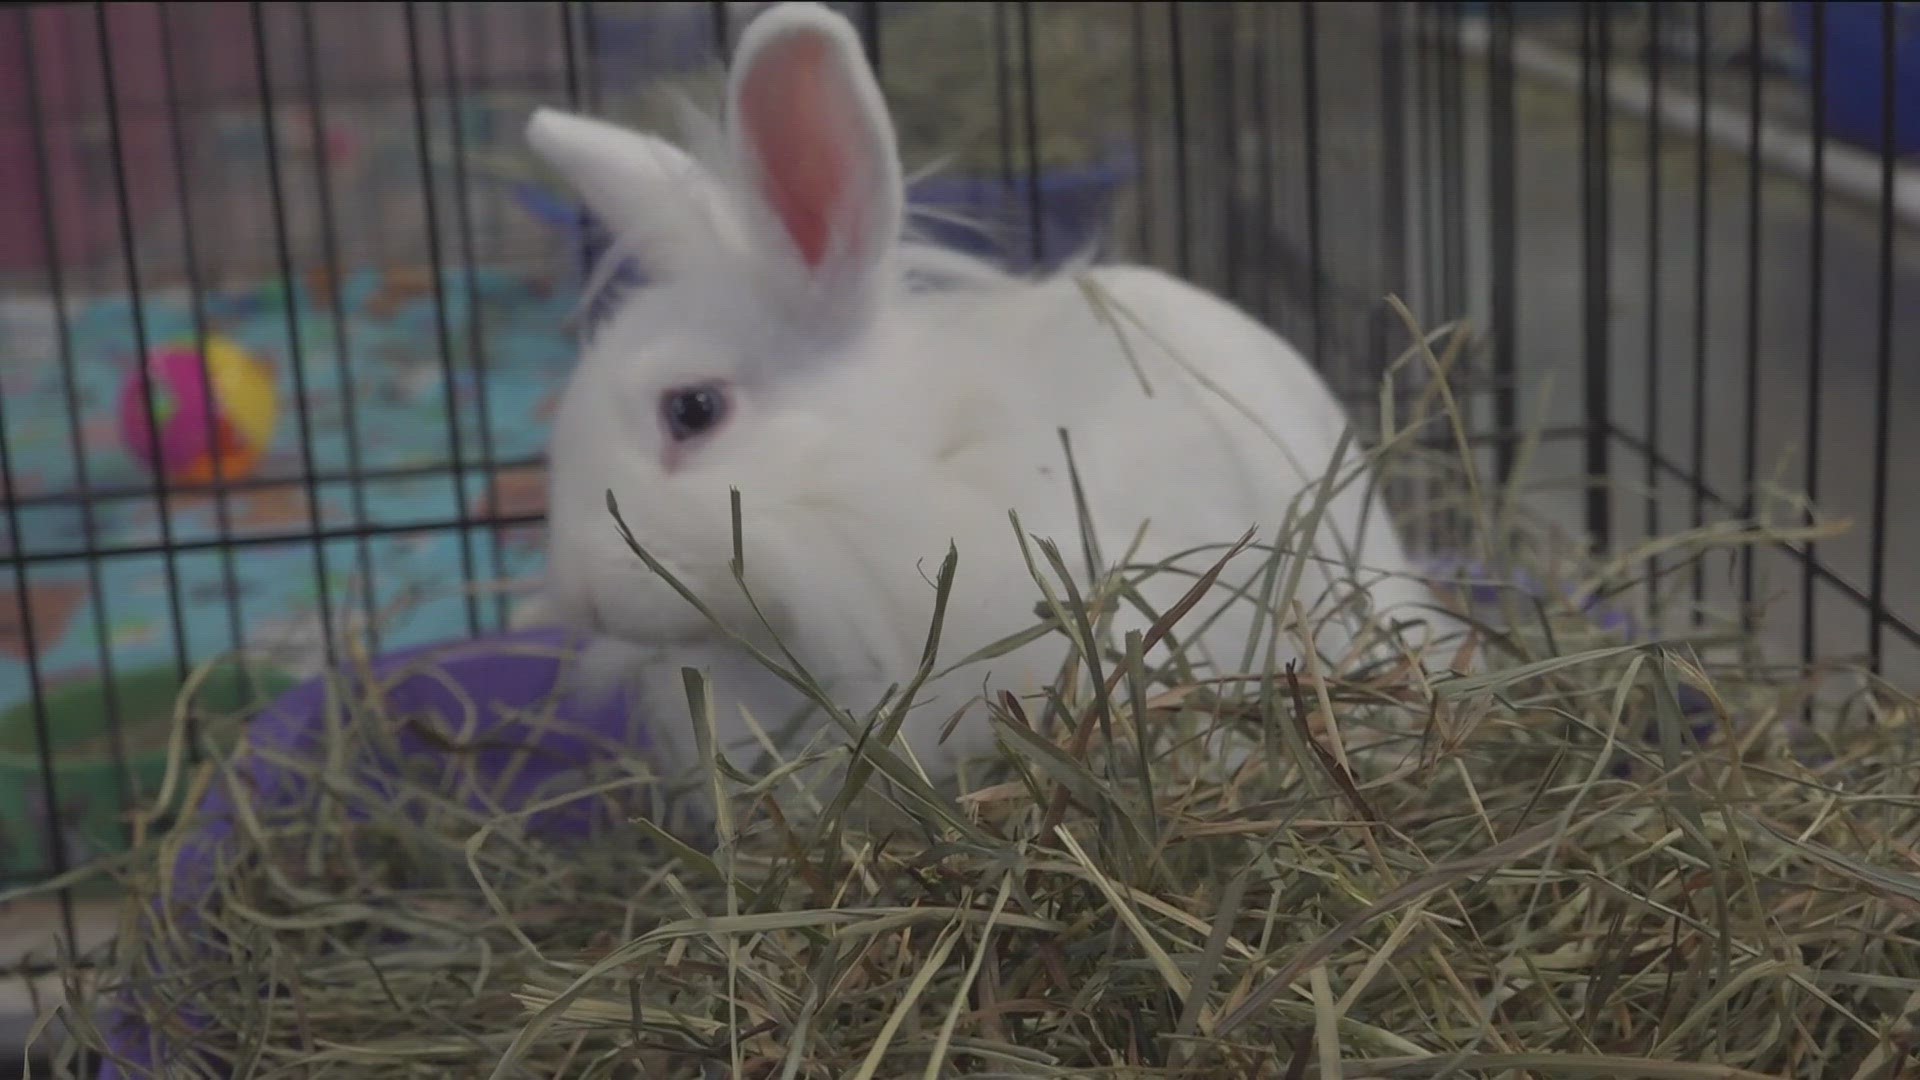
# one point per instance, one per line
(799, 119)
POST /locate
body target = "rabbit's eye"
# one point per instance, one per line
(694, 410)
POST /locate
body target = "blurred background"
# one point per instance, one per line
(1682, 234)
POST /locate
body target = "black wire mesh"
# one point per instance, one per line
(1640, 203)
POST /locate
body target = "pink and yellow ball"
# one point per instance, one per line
(227, 424)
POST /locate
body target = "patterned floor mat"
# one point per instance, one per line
(391, 388)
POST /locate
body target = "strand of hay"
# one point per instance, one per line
(1564, 873)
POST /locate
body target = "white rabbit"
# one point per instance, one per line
(778, 349)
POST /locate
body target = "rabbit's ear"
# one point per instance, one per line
(816, 152)
(647, 192)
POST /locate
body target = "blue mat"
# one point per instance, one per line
(391, 391)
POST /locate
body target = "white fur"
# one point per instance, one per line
(875, 424)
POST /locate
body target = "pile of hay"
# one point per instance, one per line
(1562, 878)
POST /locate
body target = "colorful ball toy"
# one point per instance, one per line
(228, 425)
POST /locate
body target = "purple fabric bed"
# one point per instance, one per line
(503, 675)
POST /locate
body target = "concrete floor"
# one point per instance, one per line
(1652, 277)
(1758, 346)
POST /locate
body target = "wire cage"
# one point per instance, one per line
(1682, 233)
